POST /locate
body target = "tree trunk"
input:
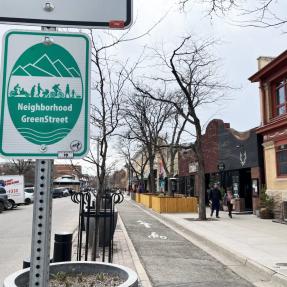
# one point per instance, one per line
(201, 172)
(169, 185)
(101, 176)
(201, 175)
(151, 176)
(96, 237)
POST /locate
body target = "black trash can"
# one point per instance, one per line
(106, 231)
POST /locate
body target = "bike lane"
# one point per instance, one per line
(168, 258)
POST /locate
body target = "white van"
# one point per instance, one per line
(14, 185)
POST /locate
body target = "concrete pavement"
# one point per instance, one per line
(259, 244)
(252, 247)
(16, 229)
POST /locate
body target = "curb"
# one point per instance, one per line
(236, 261)
(143, 277)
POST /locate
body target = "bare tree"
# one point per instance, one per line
(20, 166)
(135, 157)
(145, 120)
(108, 81)
(169, 151)
(258, 13)
(194, 78)
(214, 6)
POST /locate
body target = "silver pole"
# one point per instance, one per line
(42, 218)
(41, 230)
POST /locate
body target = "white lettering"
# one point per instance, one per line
(45, 119)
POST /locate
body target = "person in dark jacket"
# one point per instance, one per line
(215, 198)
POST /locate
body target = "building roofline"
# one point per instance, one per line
(265, 70)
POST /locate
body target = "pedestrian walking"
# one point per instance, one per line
(215, 198)
(229, 201)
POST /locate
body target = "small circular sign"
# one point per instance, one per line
(45, 94)
(76, 145)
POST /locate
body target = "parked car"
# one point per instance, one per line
(4, 203)
(29, 194)
(66, 192)
(60, 192)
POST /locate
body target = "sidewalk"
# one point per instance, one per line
(260, 246)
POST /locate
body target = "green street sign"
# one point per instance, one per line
(45, 95)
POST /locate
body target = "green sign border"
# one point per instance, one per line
(87, 91)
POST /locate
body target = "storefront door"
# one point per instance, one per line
(246, 187)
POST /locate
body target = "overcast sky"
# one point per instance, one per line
(238, 51)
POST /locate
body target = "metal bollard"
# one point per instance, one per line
(62, 247)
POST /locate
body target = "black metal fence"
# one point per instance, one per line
(107, 221)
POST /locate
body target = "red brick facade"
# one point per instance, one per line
(210, 144)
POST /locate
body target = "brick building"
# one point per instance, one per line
(231, 158)
(272, 79)
(66, 169)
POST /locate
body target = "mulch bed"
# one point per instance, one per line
(62, 279)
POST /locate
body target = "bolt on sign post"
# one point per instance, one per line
(44, 115)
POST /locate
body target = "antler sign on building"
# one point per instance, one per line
(45, 95)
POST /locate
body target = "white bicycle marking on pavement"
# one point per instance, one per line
(147, 225)
(154, 235)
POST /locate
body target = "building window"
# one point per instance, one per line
(281, 156)
(280, 98)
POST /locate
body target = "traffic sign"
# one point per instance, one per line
(68, 13)
(45, 95)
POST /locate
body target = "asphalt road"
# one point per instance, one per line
(16, 229)
(169, 259)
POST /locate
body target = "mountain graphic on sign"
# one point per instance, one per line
(45, 67)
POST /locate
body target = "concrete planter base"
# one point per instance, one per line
(21, 278)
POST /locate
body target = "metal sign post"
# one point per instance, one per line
(44, 109)
(42, 219)
(41, 231)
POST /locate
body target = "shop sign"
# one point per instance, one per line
(193, 167)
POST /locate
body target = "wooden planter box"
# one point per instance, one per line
(146, 199)
(138, 197)
(174, 204)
